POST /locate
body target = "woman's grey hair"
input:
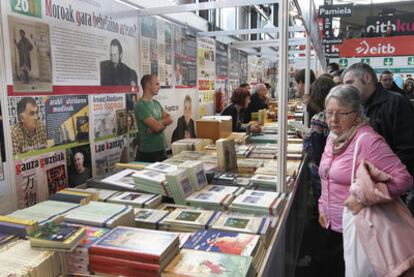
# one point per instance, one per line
(346, 95)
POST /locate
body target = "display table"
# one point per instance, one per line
(281, 256)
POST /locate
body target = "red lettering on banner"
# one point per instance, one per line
(381, 46)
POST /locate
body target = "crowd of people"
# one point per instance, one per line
(354, 105)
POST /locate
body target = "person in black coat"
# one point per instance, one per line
(114, 72)
(257, 102)
(239, 102)
(390, 114)
(185, 125)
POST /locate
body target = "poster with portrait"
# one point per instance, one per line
(79, 165)
(41, 122)
(28, 123)
(39, 176)
(67, 119)
(96, 45)
(183, 106)
(255, 70)
(185, 58)
(109, 116)
(30, 55)
(109, 152)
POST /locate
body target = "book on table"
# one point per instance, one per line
(201, 263)
(57, 237)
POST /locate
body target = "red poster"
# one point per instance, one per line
(377, 47)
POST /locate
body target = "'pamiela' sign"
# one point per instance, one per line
(335, 11)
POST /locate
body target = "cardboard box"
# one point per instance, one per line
(214, 127)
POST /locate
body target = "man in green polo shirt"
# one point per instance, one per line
(151, 121)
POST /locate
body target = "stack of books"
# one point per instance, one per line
(119, 181)
(104, 194)
(136, 199)
(57, 237)
(248, 166)
(133, 252)
(264, 181)
(46, 211)
(149, 218)
(78, 259)
(295, 148)
(186, 220)
(243, 151)
(78, 196)
(263, 138)
(245, 223)
(191, 155)
(196, 173)
(258, 202)
(226, 242)
(201, 263)
(264, 151)
(16, 226)
(102, 214)
(224, 179)
(152, 182)
(179, 185)
(214, 197)
(161, 167)
(18, 259)
(270, 128)
(174, 161)
(193, 144)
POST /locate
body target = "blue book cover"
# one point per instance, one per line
(223, 242)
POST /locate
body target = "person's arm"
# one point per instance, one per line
(166, 118)
(377, 151)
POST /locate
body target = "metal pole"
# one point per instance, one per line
(283, 94)
(307, 69)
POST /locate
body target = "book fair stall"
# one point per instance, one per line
(73, 200)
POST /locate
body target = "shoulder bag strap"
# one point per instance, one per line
(355, 156)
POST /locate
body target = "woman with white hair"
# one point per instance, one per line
(347, 123)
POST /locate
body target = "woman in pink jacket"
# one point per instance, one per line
(346, 123)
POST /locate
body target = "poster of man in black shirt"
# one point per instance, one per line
(114, 72)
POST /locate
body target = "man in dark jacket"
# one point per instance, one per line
(389, 113)
(257, 102)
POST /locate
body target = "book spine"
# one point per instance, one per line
(123, 254)
(121, 270)
(17, 220)
(105, 260)
(261, 226)
(114, 216)
(13, 229)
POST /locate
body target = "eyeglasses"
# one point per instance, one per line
(340, 115)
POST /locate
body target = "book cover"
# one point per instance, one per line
(133, 198)
(201, 263)
(121, 179)
(223, 242)
(136, 243)
(162, 167)
(149, 215)
(239, 222)
(55, 232)
(150, 175)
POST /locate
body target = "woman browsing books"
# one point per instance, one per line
(239, 102)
